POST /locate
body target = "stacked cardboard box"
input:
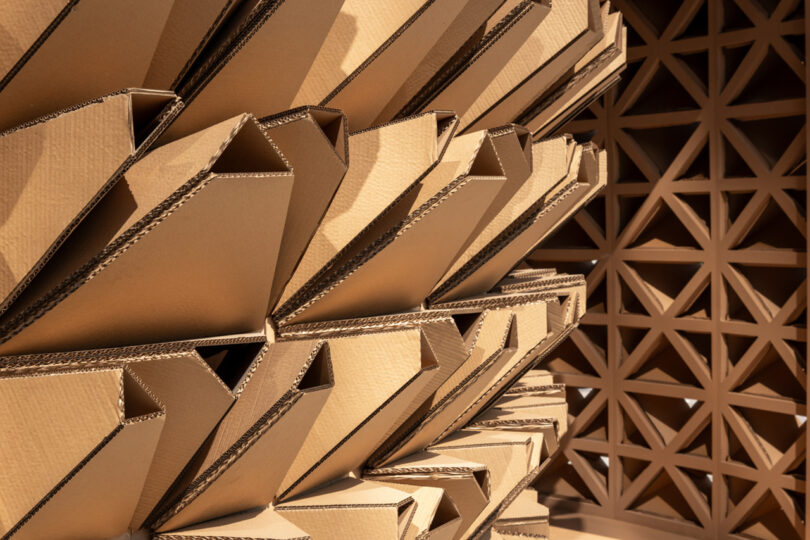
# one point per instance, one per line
(273, 296)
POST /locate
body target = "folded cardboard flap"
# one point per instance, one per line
(198, 264)
(313, 140)
(47, 68)
(436, 516)
(385, 164)
(256, 62)
(101, 429)
(352, 508)
(256, 524)
(283, 390)
(36, 169)
(525, 516)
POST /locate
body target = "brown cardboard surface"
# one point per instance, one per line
(55, 173)
(259, 524)
(366, 58)
(216, 280)
(314, 141)
(284, 390)
(436, 516)
(561, 39)
(460, 83)
(385, 163)
(45, 67)
(524, 516)
(352, 508)
(393, 369)
(101, 433)
(256, 67)
(396, 272)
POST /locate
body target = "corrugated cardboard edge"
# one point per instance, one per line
(169, 112)
(345, 327)
(503, 505)
(124, 241)
(298, 113)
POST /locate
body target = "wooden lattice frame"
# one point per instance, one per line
(687, 378)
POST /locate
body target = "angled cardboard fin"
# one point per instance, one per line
(436, 515)
(259, 524)
(525, 516)
(222, 230)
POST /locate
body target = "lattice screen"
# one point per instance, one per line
(688, 375)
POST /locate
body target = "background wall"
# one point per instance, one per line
(687, 377)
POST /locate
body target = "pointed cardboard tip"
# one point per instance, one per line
(335, 127)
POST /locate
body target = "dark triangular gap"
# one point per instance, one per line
(663, 144)
(769, 5)
(773, 230)
(737, 346)
(664, 231)
(772, 378)
(701, 307)
(663, 364)
(799, 349)
(634, 39)
(596, 429)
(700, 342)
(659, 14)
(799, 469)
(701, 204)
(699, 25)
(663, 93)
(797, 13)
(628, 207)
(562, 480)
(566, 267)
(767, 520)
(631, 468)
(699, 169)
(698, 64)
(700, 445)
(628, 170)
(663, 498)
(732, 58)
(667, 415)
(737, 310)
(583, 137)
(567, 358)
(776, 432)
(599, 463)
(736, 203)
(465, 321)
(578, 398)
(630, 71)
(230, 362)
(733, 17)
(630, 304)
(799, 196)
(597, 334)
(737, 489)
(629, 339)
(569, 236)
(796, 42)
(597, 209)
(773, 284)
(761, 88)
(771, 136)
(735, 165)
(319, 372)
(736, 451)
(800, 169)
(586, 114)
(597, 298)
(702, 481)
(631, 433)
(665, 280)
(800, 320)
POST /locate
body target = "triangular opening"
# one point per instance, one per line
(446, 123)
(660, 14)
(630, 432)
(700, 343)
(772, 284)
(599, 465)
(597, 429)
(736, 451)
(736, 203)
(737, 346)
(701, 205)
(771, 136)
(668, 415)
(578, 397)
(775, 432)
(597, 209)
(482, 479)
(699, 169)
(137, 401)
(230, 362)
(249, 152)
(698, 26)
(465, 322)
(630, 338)
(664, 230)
(735, 166)
(732, 58)
(665, 365)
(773, 230)
(761, 88)
(663, 498)
(735, 308)
(628, 208)
(427, 356)
(524, 137)
(663, 144)
(567, 358)
(628, 170)
(768, 520)
(486, 162)
(702, 482)
(634, 39)
(665, 281)
(663, 93)
(319, 373)
(772, 378)
(570, 236)
(737, 489)
(333, 125)
(630, 304)
(631, 468)
(797, 13)
(562, 480)
(700, 307)
(796, 42)
(632, 67)
(148, 109)
(512, 335)
(597, 298)
(799, 198)
(769, 5)
(733, 17)
(446, 512)
(598, 335)
(700, 445)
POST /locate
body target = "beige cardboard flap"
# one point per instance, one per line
(352, 508)
(259, 524)
(436, 515)
(314, 141)
(54, 173)
(48, 69)
(255, 66)
(524, 516)
(200, 265)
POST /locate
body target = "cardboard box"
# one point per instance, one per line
(99, 429)
(216, 202)
(259, 524)
(282, 391)
(60, 53)
(369, 53)
(59, 154)
(352, 508)
(254, 63)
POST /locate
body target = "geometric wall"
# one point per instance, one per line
(687, 377)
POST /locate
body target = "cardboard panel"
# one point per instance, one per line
(524, 516)
(259, 524)
(51, 70)
(436, 516)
